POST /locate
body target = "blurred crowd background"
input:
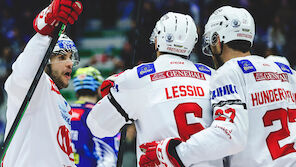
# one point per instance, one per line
(114, 35)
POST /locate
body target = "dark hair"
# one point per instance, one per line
(183, 56)
(240, 45)
(86, 92)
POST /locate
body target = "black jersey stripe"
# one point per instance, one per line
(118, 107)
(230, 102)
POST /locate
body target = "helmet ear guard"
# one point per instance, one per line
(210, 40)
(214, 39)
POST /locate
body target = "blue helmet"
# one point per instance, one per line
(65, 44)
(87, 78)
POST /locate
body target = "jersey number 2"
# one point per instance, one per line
(273, 138)
(186, 130)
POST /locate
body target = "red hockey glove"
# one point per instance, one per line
(65, 11)
(161, 153)
(105, 87)
(108, 83)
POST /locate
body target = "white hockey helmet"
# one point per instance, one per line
(65, 44)
(175, 33)
(229, 23)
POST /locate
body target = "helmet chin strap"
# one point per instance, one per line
(218, 56)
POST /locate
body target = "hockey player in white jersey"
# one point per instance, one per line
(43, 135)
(254, 102)
(277, 58)
(165, 98)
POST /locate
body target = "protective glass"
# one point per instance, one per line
(206, 44)
(209, 39)
(74, 58)
(153, 36)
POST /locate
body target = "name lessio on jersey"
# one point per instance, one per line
(183, 90)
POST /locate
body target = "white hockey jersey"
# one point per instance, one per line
(254, 102)
(167, 98)
(43, 135)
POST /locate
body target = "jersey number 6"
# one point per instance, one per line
(186, 130)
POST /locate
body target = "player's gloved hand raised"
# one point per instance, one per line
(108, 83)
(65, 11)
(161, 153)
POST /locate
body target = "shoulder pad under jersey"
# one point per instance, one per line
(204, 69)
(246, 66)
(145, 69)
(285, 68)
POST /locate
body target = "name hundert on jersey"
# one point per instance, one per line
(183, 90)
(271, 96)
(177, 73)
(223, 90)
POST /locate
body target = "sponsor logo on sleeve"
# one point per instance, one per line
(224, 90)
(203, 69)
(246, 66)
(285, 68)
(145, 69)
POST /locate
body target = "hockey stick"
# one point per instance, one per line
(121, 146)
(226, 161)
(123, 130)
(31, 90)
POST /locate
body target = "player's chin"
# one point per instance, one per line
(64, 85)
(65, 82)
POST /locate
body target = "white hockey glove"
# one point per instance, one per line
(161, 153)
(65, 11)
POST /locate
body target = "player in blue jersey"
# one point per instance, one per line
(89, 150)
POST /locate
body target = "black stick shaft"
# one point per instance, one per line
(121, 146)
(137, 31)
(133, 63)
(30, 92)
